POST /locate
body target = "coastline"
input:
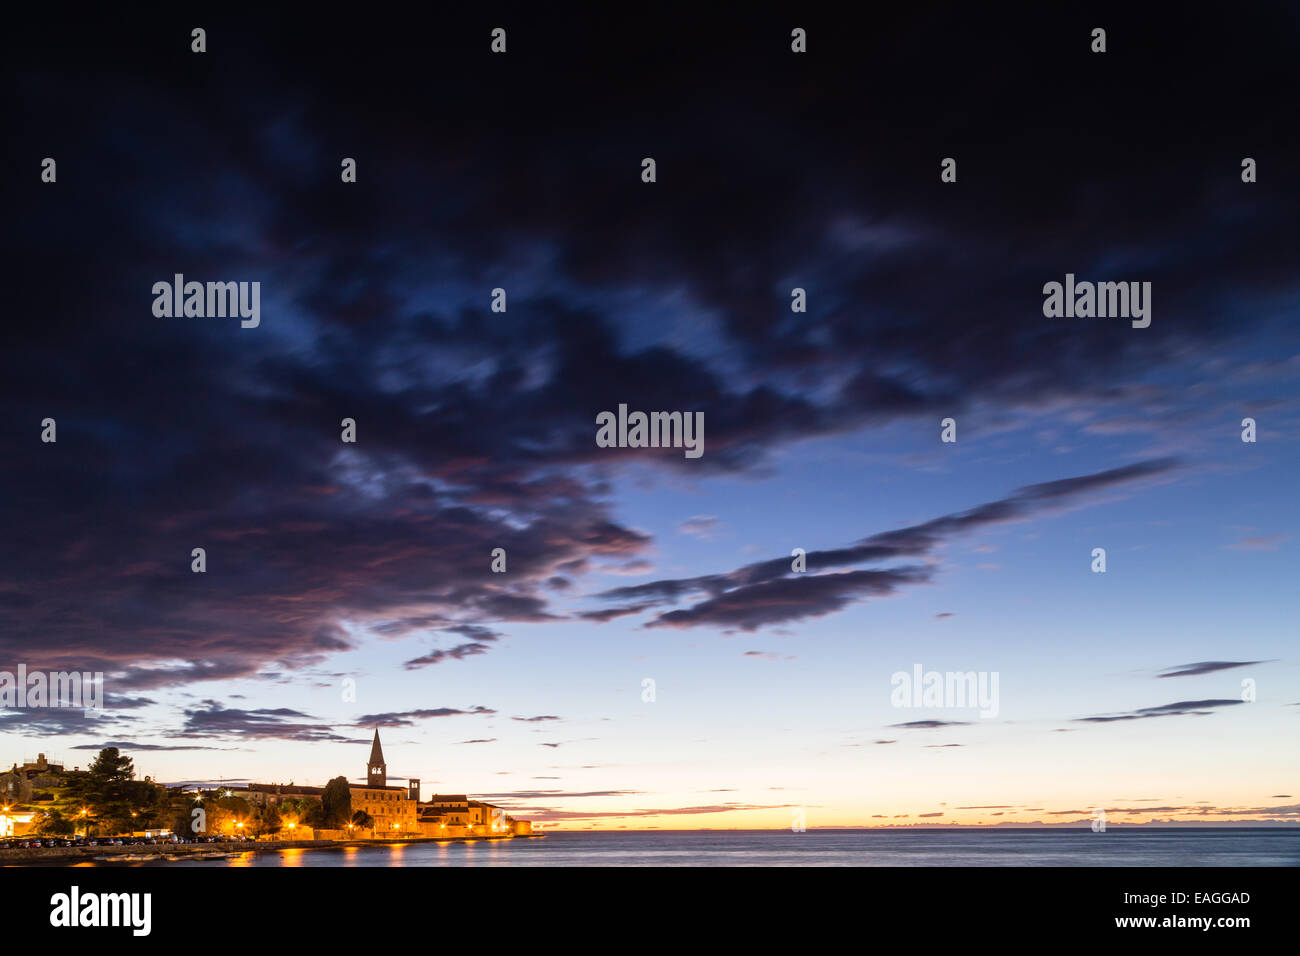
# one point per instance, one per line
(165, 852)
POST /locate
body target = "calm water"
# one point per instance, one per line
(1081, 847)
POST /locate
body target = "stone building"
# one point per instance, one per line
(396, 811)
(455, 815)
(392, 808)
(17, 783)
(269, 794)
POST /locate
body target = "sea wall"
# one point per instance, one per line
(72, 854)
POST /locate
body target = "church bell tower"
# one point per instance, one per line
(376, 769)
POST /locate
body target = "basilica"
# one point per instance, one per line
(398, 812)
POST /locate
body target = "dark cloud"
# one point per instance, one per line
(434, 622)
(124, 702)
(128, 745)
(771, 592)
(1205, 667)
(548, 814)
(557, 794)
(62, 720)
(407, 718)
(148, 678)
(1180, 708)
(459, 652)
(280, 723)
(789, 599)
(609, 614)
(930, 724)
(476, 429)
(283, 723)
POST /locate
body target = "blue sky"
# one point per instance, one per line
(367, 564)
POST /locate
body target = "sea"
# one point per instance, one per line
(1117, 846)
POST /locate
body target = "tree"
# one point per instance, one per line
(183, 825)
(362, 820)
(316, 818)
(297, 811)
(223, 813)
(267, 820)
(336, 803)
(111, 767)
(108, 788)
(54, 823)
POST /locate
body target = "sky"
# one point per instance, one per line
(650, 658)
